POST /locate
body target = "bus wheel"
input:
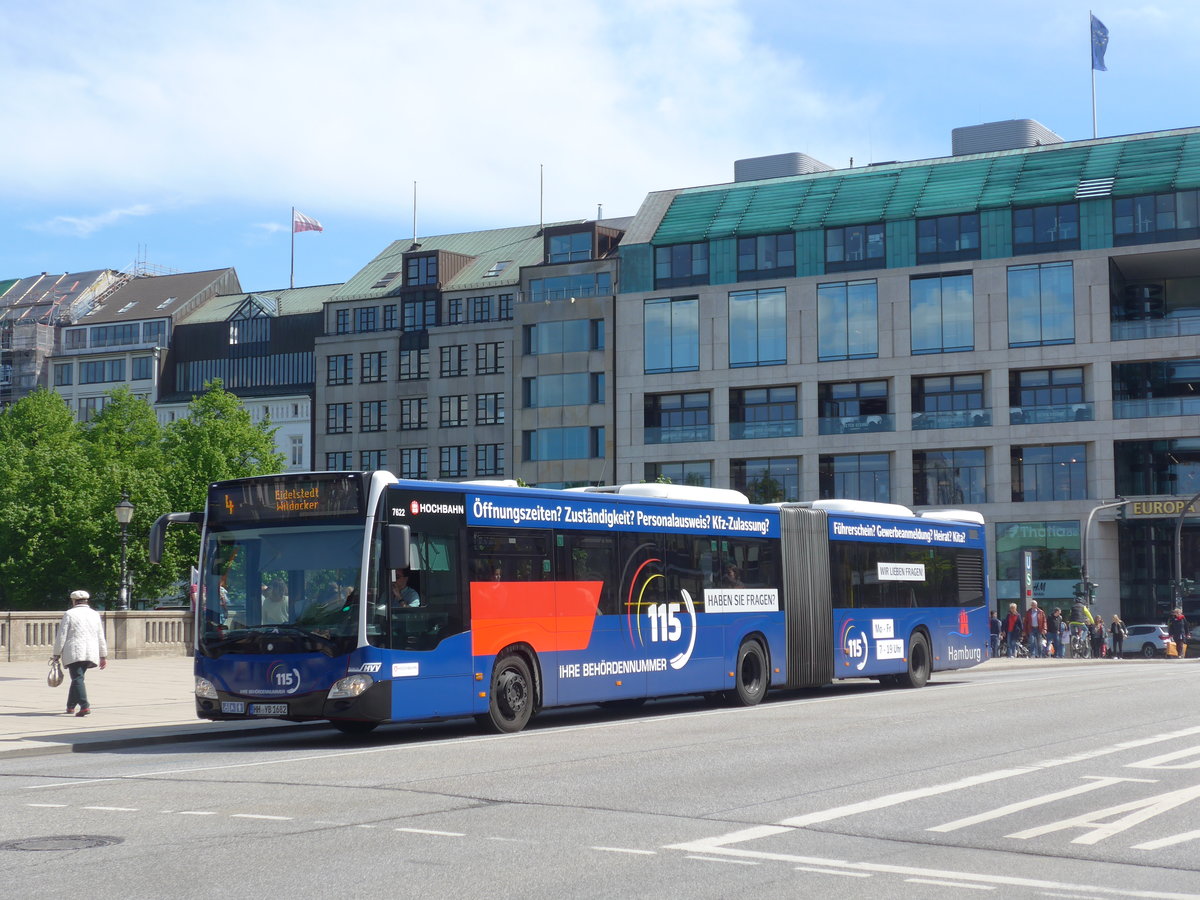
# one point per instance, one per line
(750, 676)
(353, 726)
(918, 663)
(511, 702)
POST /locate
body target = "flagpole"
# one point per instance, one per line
(292, 279)
(1092, 64)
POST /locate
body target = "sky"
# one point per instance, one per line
(180, 135)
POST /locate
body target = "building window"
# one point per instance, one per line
(455, 310)
(489, 358)
(762, 413)
(766, 480)
(504, 306)
(296, 442)
(453, 361)
(414, 365)
(342, 321)
(481, 309)
(143, 368)
(369, 460)
(757, 328)
(372, 415)
(1045, 229)
(571, 389)
(569, 247)
(339, 462)
(64, 374)
(1054, 550)
(339, 369)
(75, 339)
(942, 314)
(949, 401)
(373, 367)
(1158, 388)
(366, 318)
(391, 317)
(489, 459)
(863, 476)
(677, 418)
(854, 247)
(569, 287)
(337, 418)
(947, 239)
(89, 406)
(548, 444)
(452, 462)
(1052, 472)
(671, 335)
(1041, 396)
(949, 477)
(414, 463)
(847, 407)
(154, 333)
(681, 265)
(1151, 218)
(414, 413)
(1170, 466)
(1041, 305)
(420, 313)
(767, 256)
(101, 371)
(421, 270)
(697, 474)
(571, 336)
(453, 411)
(497, 268)
(489, 409)
(847, 320)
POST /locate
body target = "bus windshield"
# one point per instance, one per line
(292, 587)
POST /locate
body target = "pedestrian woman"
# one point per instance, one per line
(81, 645)
(1097, 629)
(1117, 630)
(1012, 629)
(1177, 627)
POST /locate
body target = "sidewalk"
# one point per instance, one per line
(134, 701)
(142, 701)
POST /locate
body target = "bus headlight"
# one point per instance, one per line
(350, 686)
(205, 689)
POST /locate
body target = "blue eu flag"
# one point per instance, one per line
(1099, 44)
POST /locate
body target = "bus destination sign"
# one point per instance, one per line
(284, 499)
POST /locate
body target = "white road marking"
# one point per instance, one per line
(1096, 782)
(433, 832)
(256, 816)
(48, 805)
(833, 872)
(1139, 811)
(717, 859)
(195, 812)
(113, 808)
(953, 884)
(626, 850)
(1169, 841)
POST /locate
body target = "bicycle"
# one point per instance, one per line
(1081, 643)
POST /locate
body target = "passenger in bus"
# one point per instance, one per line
(403, 593)
(275, 602)
(732, 578)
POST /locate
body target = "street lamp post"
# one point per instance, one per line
(124, 512)
(1083, 551)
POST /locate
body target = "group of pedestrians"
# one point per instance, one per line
(1037, 634)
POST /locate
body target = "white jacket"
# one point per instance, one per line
(80, 636)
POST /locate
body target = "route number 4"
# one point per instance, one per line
(664, 622)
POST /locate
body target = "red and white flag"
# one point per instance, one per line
(301, 222)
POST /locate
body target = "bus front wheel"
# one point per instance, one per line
(919, 662)
(750, 675)
(511, 703)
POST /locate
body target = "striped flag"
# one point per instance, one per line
(301, 222)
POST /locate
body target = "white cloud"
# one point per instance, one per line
(82, 226)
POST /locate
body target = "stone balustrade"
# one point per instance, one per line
(131, 634)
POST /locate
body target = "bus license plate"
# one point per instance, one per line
(268, 709)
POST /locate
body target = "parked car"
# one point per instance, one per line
(173, 603)
(1146, 640)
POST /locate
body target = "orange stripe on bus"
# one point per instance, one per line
(547, 615)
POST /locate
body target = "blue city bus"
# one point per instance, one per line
(360, 598)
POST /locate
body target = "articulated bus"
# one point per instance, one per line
(360, 598)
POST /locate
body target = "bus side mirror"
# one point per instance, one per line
(158, 532)
(398, 539)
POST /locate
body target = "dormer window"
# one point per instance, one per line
(571, 247)
(421, 270)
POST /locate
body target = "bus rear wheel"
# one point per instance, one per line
(511, 702)
(919, 663)
(750, 675)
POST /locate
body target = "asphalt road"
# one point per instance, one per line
(1038, 781)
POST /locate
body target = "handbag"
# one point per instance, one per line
(55, 676)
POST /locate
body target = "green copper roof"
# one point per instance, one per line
(1141, 164)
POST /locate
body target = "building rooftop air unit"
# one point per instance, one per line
(1012, 134)
(777, 166)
